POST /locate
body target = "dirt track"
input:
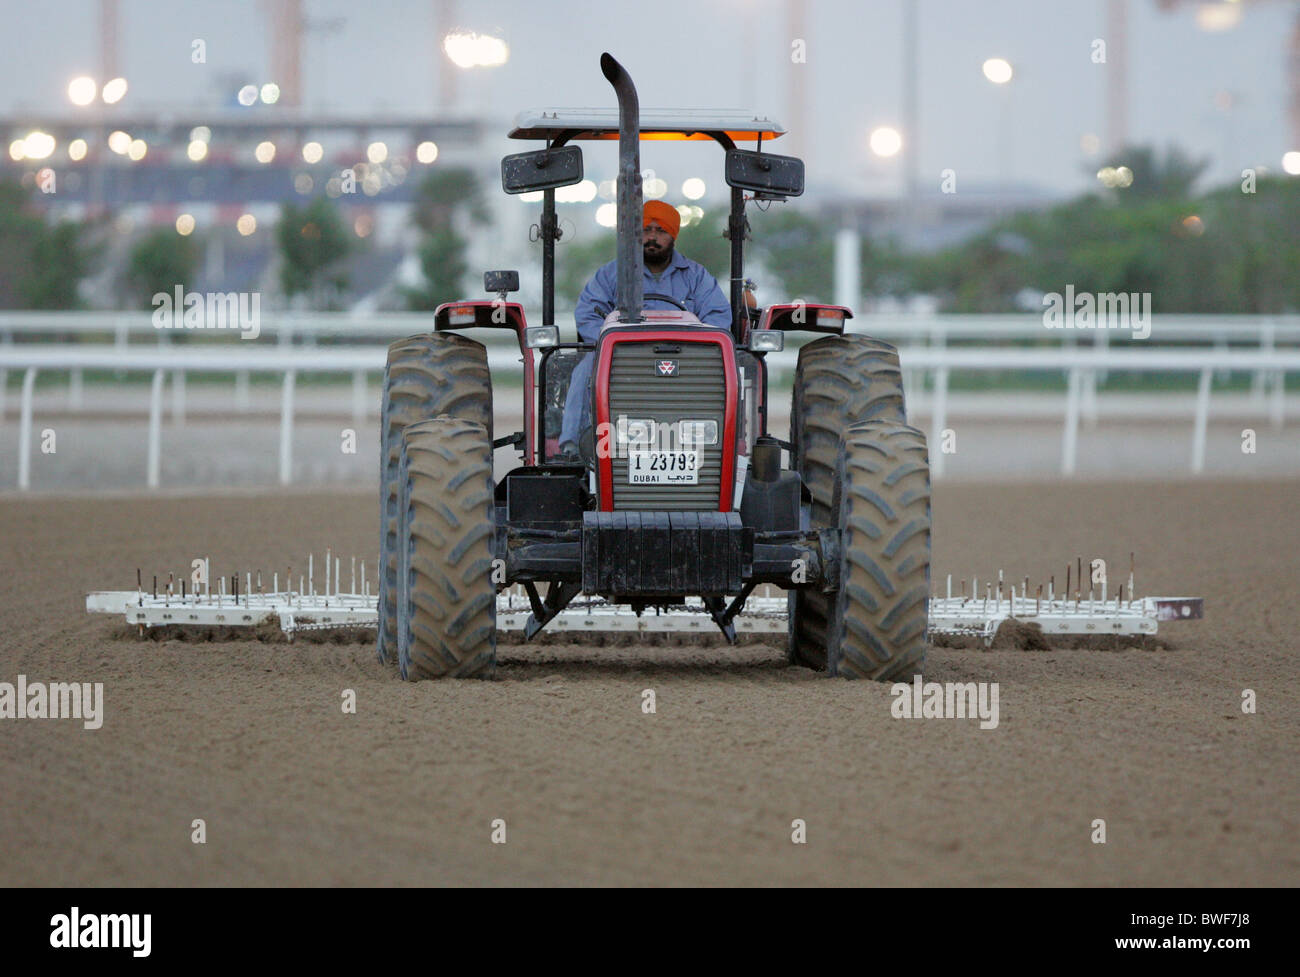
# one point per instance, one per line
(251, 737)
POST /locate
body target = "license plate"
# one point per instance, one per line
(663, 468)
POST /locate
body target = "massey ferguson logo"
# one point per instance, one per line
(668, 368)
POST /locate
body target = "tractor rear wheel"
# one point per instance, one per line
(426, 375)
(878, 624)
(445, 595)
(839, 381)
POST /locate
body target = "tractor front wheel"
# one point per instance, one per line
(878, 622)
(839, 381)
(426, 375)
(445, 594)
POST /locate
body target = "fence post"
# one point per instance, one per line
(155, 428)
(1070, 437)
(1202, 420)
(940, 420)
(178, 398)
(6, 342)
(25, 431)
(286, 427)
(1259, 380)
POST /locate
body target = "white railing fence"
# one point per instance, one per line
(1080, 367)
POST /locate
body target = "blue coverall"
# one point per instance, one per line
(687, 281)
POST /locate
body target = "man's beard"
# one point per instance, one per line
(656, 256)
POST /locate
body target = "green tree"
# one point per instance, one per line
(1168, 176)
(441, 197)
(577, 261)
(313, 241)
(702, 241)
(159, 262)
(443, 264)
(1220, 252)
(798, 249)
(41, 264)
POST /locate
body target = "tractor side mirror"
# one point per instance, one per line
(765, 174)
(544, 169)
(500, 281)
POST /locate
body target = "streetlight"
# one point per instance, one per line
(885, 141)
(472, 50)
(82, 90)
(999, 72)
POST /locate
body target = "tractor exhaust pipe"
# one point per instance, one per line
(630, 255)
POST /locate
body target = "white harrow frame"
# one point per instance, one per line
(961, 615)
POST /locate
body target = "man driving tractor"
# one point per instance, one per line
(667, 272)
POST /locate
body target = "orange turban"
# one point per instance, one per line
(665, 214)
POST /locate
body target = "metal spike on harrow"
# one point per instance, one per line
(302, 609)
(969, 614)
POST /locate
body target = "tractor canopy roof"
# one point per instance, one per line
(656, 124)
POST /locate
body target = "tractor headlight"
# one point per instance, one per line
(767, 341)
(698, 432)
(635, 430)
(541, 337)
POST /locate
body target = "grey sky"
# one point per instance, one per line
(688, 52)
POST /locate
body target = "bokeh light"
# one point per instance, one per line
(471, 50)
(885, 141)
(114, 91)
(998, 70)
(82, 90)
(693, 188)
(38, 145)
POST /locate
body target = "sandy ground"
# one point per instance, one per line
(251, 738)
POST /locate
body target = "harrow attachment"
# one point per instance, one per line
(964, 614)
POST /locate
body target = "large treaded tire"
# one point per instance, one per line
(445, 597)
(839, 381)
(878, 625)
(426, 375)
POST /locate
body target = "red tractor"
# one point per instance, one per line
(681, 492)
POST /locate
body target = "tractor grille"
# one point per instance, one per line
(698, 391)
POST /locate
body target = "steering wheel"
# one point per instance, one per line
(661, 297)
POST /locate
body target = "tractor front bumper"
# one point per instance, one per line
(650, 554)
